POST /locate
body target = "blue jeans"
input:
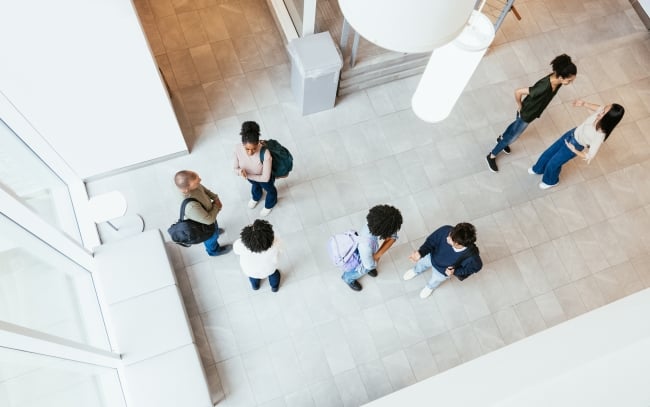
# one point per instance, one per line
(437, 277)
(512, 133)
(271, 192)
(551, 161)
(211, 245)
(274, 280)
(354, 274)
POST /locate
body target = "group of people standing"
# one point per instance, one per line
(449, 250)
(584, 140)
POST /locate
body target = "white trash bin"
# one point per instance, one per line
(315, 67)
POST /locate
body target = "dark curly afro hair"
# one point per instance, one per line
(384, 220)
(258, 237)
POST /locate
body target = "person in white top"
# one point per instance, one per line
(583, 141)
(258, 251)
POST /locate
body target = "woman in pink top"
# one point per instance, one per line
(249, 165)
(584, 141)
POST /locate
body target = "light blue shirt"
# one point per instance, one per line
(368, 245)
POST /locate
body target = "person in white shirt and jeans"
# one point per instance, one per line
(583, 141)
(258, 251)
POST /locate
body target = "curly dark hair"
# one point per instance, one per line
(250, 132)
(464, 234)
(384, 221)
(563, 66)
(258, 237)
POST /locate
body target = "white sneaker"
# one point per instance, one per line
(409, 275)
(252, 204)
(265, 211)
(545, 186)
(426, 291)
(531, 172)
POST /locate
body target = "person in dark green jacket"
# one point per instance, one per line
(531, 102)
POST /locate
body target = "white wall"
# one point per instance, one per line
(81, 73)
(601, 358)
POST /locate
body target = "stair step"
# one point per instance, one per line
(382, 71)
(380, 61)
(355, 87)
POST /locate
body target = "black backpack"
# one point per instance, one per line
(188, 232)
(282, 159)
(470, 252)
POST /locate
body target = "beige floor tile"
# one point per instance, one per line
(192, 27)
(184, 71)
(573, 262)
(171, 33)
(234, 19)
(530, 318)
(196, 105)
(554, 271)
(612, 248)
(205, 64)
(509, 325)
(550, 217)
(530, 224)
(590, 248)
(533, 274)
(219, 100)
(271, 48)
(513, 235)
(570, 301)
(162, 8)
(466, 342)
(258, 16)
(227, 58)
(488, 334)
(590, 293)
(240, 94)
(213, 24)
(248, 54)
(494, 292)
(642, 269)
(262, 88)
(512, 280)
(183, 6)
(444, 351)
(569, 210)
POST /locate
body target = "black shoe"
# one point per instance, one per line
(506, 149)
(492, 163)
(373, 273)
(275, 289)
(355, 285)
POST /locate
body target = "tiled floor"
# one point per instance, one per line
(549, 255)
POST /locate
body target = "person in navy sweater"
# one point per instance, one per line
(451, 251)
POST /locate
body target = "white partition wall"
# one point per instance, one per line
(82, 74)
(601, 358)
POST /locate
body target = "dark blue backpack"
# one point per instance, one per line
(282, 163)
